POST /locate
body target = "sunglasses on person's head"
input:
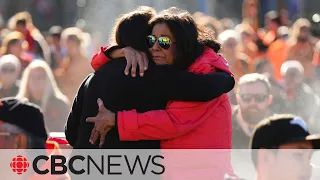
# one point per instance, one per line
(257, 97)
(164, 42)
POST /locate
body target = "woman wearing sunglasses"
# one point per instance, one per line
(175, 40)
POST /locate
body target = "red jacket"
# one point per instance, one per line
(183, 125)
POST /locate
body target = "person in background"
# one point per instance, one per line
(254, 99)
(268, 34)
(272, 23)
(247, 45)
(75, 66)
(265, 67)
(239, 63)
(302, 47)
(39, 86)
(277, 52)
(250, 13)
(37, 45)
(57, 53)
(227, 24)
(211, 23)
(299, 97)
(282, 148)
(10, 68)
(21, 26)
(22, 127)
(284, 18)
(14, 43)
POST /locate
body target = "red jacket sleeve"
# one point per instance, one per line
(178, 119)
(99, 59)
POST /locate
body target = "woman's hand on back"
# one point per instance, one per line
(103, 123)
(135, 58)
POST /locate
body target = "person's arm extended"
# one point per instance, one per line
(73, 122)
(178, 119)
(181, 85)
(133, 57)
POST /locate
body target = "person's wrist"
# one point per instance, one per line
(113, 52)
(122, 52)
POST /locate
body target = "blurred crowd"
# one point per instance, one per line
(276, 67)
(46, 70)
(284, 53)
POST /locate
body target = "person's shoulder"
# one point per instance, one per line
(208, 62)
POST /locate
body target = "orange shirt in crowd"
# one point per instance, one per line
(316, 55)
(277, 53)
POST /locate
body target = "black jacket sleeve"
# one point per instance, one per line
(74, 118)
(181, 85)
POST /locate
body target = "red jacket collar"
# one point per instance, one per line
(208, 61)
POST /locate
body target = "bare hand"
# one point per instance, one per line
(103, 123)
(135, 58)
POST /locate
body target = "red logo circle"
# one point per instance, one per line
(19, 164)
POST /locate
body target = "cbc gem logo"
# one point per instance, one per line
(19, 164)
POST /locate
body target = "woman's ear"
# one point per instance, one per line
(20, 141)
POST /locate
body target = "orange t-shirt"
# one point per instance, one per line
(277, 53)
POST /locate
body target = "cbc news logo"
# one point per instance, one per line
(19, 164)
(58, 164)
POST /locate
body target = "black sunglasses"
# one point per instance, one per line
(257, 97)
(164, 42)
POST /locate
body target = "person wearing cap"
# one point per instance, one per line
(22, 127)
(282, 148)
(254, 99)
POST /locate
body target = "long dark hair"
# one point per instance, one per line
(132, 28)
(191, 39)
